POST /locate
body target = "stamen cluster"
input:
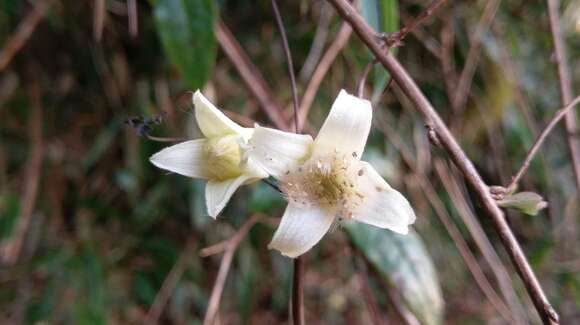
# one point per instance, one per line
(331, 181)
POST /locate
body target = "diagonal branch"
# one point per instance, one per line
(251, 76)
(396, 38)
(449, 143)
(538, 143)
(220, 281)
(328, 58)
(23, 33)
(466, 78)
(565, 87)
(474, 228)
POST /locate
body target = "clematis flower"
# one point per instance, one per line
(219, 157)
(324, 179)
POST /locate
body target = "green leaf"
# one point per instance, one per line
(526, 202)
(389, 19)
(405, 263)
(186, 31)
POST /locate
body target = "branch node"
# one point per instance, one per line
(498, 192)
(390, 40)
(432, 135)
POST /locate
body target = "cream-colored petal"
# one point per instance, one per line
(277, 151)
(185, 158)
(253, 168)
(300, 229)
(218, 193)
(212, 122)
(383, 206)
(346, 128)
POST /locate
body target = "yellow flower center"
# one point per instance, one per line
(223, 157)
(330, 182)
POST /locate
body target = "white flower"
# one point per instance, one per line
(324, 179)
(219, 157)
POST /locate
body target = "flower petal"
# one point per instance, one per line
(218, 193)
(212, 122)
(346, 128)
(278, 151)
(300, 229)
(383, 207)
(185, 158)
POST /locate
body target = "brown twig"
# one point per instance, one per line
(393, 295)
(340, 40)
(396, 38)
(12, 250)
(445, 218)
(288, 55)
(99, 19)
(298, 275)
(133, 18)
(298, 291)
(320, 37)
(538, 143)
(239, 118)
(466, 77)
(513, 76)
(432, 118)
(447, 36)
(168, 286)
(565, 87)
(360, 88)
(426, 40)
(463, 248)
(250, 75)
(218, 287)
(23, 33)
(366, 290)
(474, 227)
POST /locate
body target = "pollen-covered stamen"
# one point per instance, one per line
(223, 157)
(331, 182)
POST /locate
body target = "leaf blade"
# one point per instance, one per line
(187, 36)
(405, 263)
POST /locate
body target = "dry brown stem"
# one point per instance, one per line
(218, 287)
(251, 76)
(450, 144)
(23, 33)
(565, 87)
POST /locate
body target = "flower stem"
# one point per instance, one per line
(298, 292)
(297, 281)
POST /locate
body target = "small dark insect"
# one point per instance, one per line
(142, 125)
(354, 154)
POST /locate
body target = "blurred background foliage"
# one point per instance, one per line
(90, 231)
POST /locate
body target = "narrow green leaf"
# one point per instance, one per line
(389, 19)
(405, 263)
(186, 31)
